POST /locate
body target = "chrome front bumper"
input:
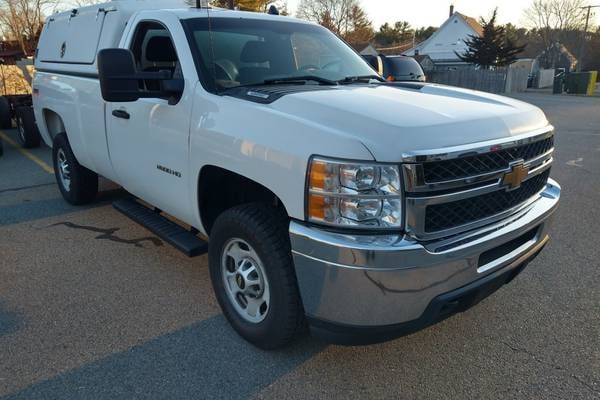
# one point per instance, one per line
(370, 281)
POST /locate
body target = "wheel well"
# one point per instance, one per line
(54, 123)
(220, 189)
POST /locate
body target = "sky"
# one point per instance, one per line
(434, 12)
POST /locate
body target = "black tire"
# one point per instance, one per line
(27, 130)
(5, 119)
(83, 183)
(265, 229)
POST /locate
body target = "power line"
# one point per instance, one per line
(582, 44)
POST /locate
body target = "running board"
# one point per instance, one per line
(180, 238)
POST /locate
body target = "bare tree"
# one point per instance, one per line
(556, 14)
(552, 17)
(551, 20)
(22, 20)
(83, 3)
(343, 17)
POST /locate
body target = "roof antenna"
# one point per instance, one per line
(212, 47)
(273, 10)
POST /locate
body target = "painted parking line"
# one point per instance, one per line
(27, 154)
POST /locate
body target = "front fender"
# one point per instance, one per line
(262, 144)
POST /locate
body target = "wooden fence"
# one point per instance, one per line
(493, 81)
(516, 79)
(500, 80)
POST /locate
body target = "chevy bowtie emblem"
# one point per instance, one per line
(517, 174)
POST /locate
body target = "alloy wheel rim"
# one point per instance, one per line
(64, 169)
(245, 280)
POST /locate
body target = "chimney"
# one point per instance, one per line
(451, 9)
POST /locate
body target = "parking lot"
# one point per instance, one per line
(93, 306)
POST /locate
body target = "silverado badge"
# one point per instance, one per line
(517, 174)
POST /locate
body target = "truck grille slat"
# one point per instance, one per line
(454, 190)
(448, 215)
(439, 171)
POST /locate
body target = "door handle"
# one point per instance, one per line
(120, 114)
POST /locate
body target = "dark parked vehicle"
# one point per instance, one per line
(397, 68)
(374, 62)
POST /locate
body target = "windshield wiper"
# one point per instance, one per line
(300, 79)
(360, 79)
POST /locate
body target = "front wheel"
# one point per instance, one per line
(253, 275)
(78, 185)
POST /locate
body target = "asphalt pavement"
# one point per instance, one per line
(93, 306)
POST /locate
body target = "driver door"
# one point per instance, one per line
(149, 138)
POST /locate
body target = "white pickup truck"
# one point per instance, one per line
(333, 200)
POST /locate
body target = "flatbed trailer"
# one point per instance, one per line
(16, 110)
(8, 108)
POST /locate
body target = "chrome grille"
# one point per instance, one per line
(440, 171)
(450, 191)
(447, 215)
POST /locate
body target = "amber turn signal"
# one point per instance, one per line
(318, 174)
(316, 206)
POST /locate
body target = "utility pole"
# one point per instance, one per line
(583, 39)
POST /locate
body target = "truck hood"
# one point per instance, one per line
(391, 121)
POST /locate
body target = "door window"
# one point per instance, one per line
(153, 51)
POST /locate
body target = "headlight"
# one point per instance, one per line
(354, 194)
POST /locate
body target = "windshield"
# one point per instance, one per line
(245, 52)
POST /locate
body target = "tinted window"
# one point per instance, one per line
(373, 62)
(153, 50)
(404, 68)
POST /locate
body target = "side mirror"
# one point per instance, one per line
(117, 74)
(120, 81)
(173, 88)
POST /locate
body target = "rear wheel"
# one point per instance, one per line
(78, 185)
(253, 275)
(27, 131)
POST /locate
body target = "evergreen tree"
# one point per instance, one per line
(389, 35)
(495, 48)
(360, 28)
(423, 33)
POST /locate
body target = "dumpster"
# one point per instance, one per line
(581, 82)
(593, 82)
